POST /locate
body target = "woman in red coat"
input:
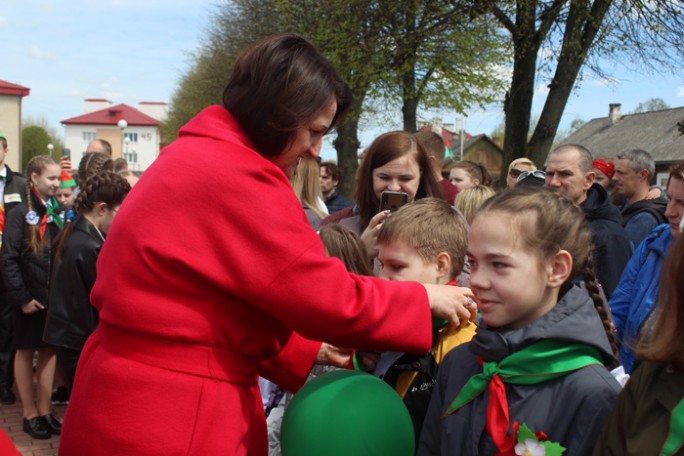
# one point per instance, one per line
(211, 276)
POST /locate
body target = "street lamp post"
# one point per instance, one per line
(50, 147)
(122, 124)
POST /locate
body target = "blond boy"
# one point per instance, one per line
(425, 241)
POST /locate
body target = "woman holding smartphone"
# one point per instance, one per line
(394, 162)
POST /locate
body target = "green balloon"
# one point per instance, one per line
(347, 413)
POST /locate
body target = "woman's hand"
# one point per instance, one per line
(32, 307)
(456, 304)
(329, 355)
(370, 234)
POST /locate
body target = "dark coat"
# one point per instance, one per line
(26, 274)
(612, 250)
(15, 193)
(641, 217)
(570, 409)
(71, 318)
(641, 419)
(337, 202)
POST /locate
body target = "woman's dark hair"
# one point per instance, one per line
(105, 187)
(278, 84)
(93, 163)
(384, 149)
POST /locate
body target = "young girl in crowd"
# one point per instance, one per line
(467, 174)
(649, 413)
(535, 373)
(28, 235)
(71, 318)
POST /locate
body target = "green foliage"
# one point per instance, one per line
(650, 105)
(35, 140)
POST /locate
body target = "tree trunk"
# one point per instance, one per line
(518, 106)
(347, 145)
(581, 29)
(409, 112)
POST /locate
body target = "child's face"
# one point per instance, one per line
(403, 263)
(508, 279)
(65, 196)
(47, 182)
(461, 179)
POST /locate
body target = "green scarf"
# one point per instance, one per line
(540, 362)
(675, 438)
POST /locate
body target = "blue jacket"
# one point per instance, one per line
(637, 292)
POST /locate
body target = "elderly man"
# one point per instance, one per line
(569, 170)
(634, 170)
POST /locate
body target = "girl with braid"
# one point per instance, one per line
(93, 163)
(535, 375)
(31, 227)
(71, 318)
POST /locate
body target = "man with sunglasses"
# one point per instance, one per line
(516, 168)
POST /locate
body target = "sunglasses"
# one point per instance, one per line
(537, 173)
(515, 172)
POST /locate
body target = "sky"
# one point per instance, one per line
(131, 51)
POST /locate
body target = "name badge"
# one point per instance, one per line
(12, 198)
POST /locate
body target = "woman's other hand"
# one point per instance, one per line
(456, 304)
(370, 234)
(329, 355)
(32, 307)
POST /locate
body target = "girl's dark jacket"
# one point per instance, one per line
(26, 274)
(570, 409)
(71, 318)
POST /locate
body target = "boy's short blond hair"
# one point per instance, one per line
(431, 226)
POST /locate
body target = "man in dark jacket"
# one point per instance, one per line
(12, 192)
(569, 170)
(330, 178)
(634, 170)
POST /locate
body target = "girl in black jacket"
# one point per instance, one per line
(71, 318)
(28, 234)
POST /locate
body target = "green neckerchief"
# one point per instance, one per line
(53, 211)
(537, 363)
(675, 437)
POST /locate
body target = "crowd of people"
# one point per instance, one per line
(543, 318)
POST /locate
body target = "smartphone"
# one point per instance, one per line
(392, 200)
(66, 152)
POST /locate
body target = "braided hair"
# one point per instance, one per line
(551, 222)
(93, 163)
(36, 166)
(105, 187)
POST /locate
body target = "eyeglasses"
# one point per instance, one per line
(538, 174)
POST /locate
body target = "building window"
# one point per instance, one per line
(133, 137)
(88, 136)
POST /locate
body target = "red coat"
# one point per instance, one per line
(208, 269)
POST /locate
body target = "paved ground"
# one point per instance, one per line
(11, 422)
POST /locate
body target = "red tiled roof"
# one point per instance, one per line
(7, 88)
(112, 115)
